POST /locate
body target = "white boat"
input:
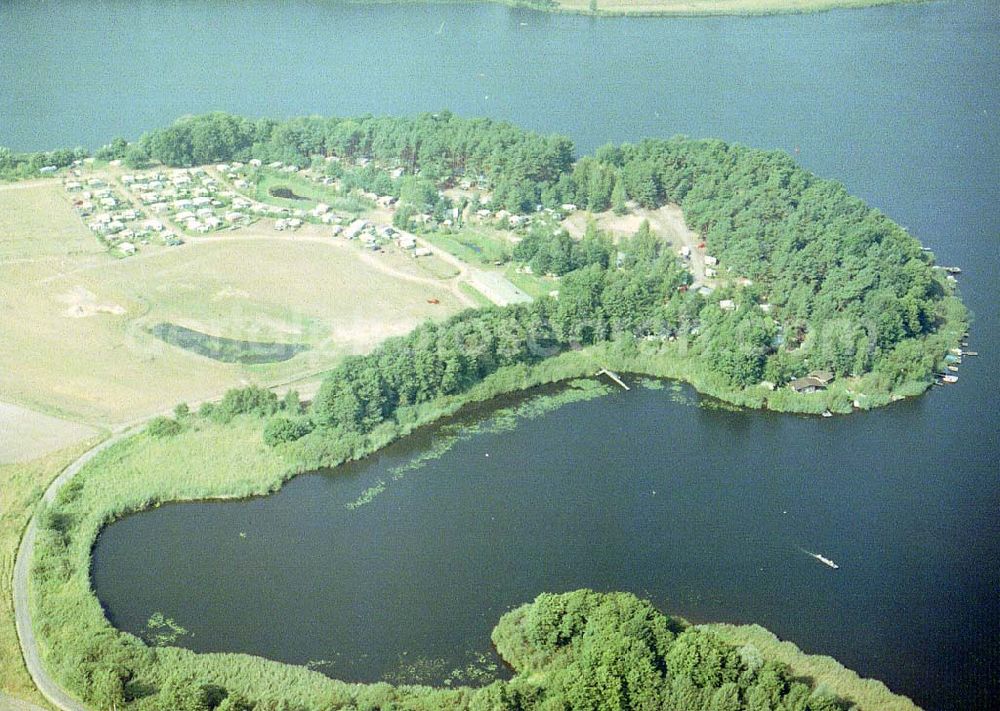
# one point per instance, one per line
(824, 559)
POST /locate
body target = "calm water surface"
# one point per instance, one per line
(901, 104)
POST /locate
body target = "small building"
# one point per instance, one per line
(806, 385)
(709, 272)
(825, 377)
(407, 242)
(686, 252)
(568, 207)
(422, 252)
(113, 227)
(711, 261)
(727, 305)
(127, 248)
(154, 225)
(320, 209)
(356, 228)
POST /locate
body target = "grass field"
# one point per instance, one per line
(21, 486)
(474, 244)
(75, 319)
(37, 223)
(312, 193)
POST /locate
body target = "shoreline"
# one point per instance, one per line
(679, 10)
(77, 555)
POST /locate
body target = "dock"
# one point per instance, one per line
(613, 376)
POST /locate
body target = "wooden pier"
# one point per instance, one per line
(613, 376)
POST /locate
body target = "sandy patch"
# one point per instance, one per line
(28, 434)
(83, 303)
(666, 222)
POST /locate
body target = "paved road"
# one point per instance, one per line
(22, 612)
(10, 704)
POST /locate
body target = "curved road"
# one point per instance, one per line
(49, 688)
(22, 611)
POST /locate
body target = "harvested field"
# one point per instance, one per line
(28, 434)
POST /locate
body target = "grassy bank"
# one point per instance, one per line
(21, 488)
(825, 671)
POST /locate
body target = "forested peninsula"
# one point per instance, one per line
(809, 278)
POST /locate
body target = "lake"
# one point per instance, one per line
(899, 103)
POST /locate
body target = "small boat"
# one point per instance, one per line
(953, 368)
(955, 351)
(949, 378)
(827, 413)
(824, 559)
(970, 353)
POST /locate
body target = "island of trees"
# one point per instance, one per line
(846, 290)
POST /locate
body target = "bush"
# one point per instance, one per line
(252, 400)
(281, 429)
(163, 427)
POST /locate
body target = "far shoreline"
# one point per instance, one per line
(667, 8)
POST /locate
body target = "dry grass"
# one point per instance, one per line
(713, 7)
(75, 318)
(28, 435)
(21, 486)
(37, 222)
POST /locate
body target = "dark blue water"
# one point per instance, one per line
(900, 103)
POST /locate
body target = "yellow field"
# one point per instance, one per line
(74, 319)
(712, 7)
(37, 222)
(28, 435)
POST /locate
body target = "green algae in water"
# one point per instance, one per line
(503, 420)
(162, 631)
